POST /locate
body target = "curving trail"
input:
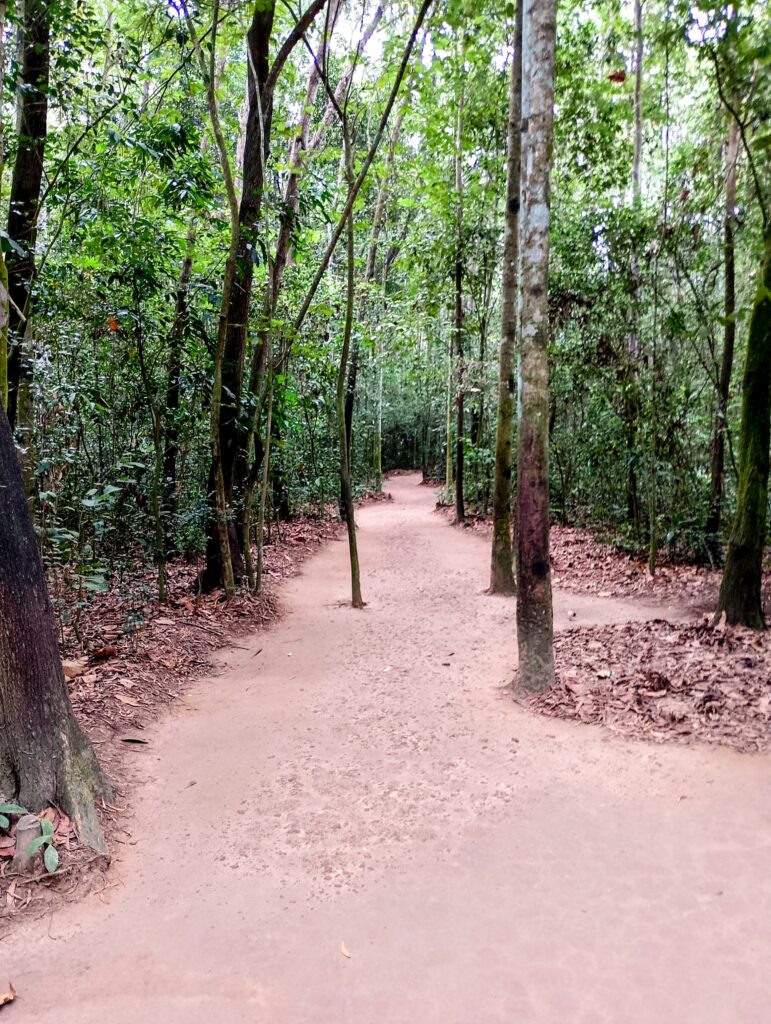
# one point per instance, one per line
(364, 780)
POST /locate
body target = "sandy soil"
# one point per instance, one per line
(363, 780)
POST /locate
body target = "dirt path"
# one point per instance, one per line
(364, 780)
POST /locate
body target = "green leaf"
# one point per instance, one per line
(48, 828)
(35, 845)
(4, 822)
(12, 809)
(51, 859)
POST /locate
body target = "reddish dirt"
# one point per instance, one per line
(360, 783)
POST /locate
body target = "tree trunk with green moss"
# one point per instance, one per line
(740, 593)
(501, 560)
(45, 758)
(534, 605)
(717, 485)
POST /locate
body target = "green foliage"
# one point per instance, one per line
(132, 183)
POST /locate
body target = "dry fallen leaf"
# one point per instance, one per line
(9, 996)
(74, 668)
(124, 699)
(344, 950)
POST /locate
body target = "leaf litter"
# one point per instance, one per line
(659, 681)
(666, 682)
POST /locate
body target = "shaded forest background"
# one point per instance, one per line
(117, 259)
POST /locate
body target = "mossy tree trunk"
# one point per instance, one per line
(230, 463)
(740, 593)
(501, 567)
(45, 758)
(717, 483)
(534, 605)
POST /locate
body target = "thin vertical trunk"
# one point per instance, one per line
(154, 408)
(23, 210)
(174, 373)
(740, 593)
(378, 221)
(345, 466)
(632, 387)
(501, 560)
(534, 605)
(378, 444)
(717, 484)
(448, 421)
(221, 536)
(460, 510)
(256, 583)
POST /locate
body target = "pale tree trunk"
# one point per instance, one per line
(717, 484)
(345, 464)
(501, 567)
(378, 221)
(448, 423)
(460, 510)
(173, 380)
(45, 758)
(256, 585)
(534, 605)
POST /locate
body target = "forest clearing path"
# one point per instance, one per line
(359, 778)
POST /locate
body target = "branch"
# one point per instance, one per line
(356, 187)
(740, 123)
(290, 42)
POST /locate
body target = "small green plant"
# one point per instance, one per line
(5, 810)
(50, 853)
(46, 840)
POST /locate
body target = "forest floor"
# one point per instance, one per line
(662, 680)
(352, 821)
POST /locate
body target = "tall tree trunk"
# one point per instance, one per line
(534, 605)
(221, 531)
(262, 77)
(174, 373)
(23, 210)
(501, 567)
(460, 508)
(632, 384)
(345, 466)
(4, 303)
(448, 421)
(45, 758)
(717, 483)
(378, 221)
(740, 593)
